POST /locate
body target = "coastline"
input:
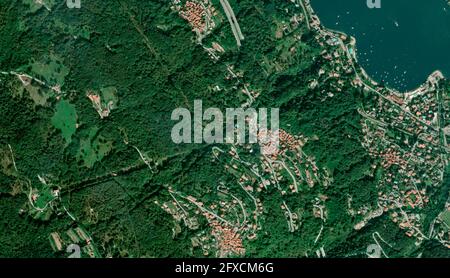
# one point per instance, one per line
(434, 76)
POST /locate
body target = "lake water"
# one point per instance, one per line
(401, 43)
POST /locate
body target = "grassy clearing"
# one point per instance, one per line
(65, 119)
(93, 148)
(51, 69)
(446, 217)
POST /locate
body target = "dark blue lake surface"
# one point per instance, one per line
(401, 43)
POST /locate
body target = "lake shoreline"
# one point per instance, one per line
(410, 85)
